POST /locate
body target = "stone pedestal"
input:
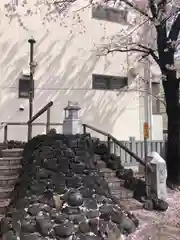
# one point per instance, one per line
(72, 123)
(157, 177)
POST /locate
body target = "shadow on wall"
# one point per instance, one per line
(99, 108)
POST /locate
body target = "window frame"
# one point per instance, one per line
(105, 13)
(108, 81)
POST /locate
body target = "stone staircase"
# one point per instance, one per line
(10, 166)
(125, 196)
(2, 147)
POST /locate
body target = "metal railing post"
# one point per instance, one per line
(5, 133)
(48, 120)
(84, 129)
(109, 145)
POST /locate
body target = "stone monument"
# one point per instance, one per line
(158, 175)
(72, 124)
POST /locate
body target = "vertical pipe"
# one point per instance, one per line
(109, 145)
(150, 103)
(48, 120)
(31, 42)
(146, 166)
(5, 133)
(147, 84)
(84, 129)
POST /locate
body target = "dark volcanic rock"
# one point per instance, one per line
(75, 199)
(28, 226)
(44, 225)
(62, 195)
(64, 230)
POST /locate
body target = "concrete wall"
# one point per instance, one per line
(66, 53)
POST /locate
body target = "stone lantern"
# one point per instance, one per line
(72, 124)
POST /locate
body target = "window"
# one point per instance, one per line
(24, 86)
(155, 102)
(106, 82)
(110, 14)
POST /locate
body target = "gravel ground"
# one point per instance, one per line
(157, 225)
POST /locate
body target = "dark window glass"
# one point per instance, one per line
(24, 86)
(106, 82)
(110, 14)
(155, 102)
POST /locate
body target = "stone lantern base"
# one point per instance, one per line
(72, 127)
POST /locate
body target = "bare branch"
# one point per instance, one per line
(169, 16)
(125, 50)
(175, 29)
(137, 48)
(132, 5)
(156, 97)
(143, 91)
(64, 1)
(143, 57)
(153, 8)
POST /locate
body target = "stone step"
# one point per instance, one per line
(6, 161)
(79, 152)
(3, 146)
(114, 183)
(14, 152)
(8, 181)
(107, 172)
(98, 157)
(122, 193)
(113, 179)
(139, 175)
(3, 205)
(9, 170)
(5, 192)
(101, 164)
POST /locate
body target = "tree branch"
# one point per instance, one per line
(153, 8)
(125, 50)
(143, 91)
(142, 49)
(137, 9)
(137, 48)
(175, 29)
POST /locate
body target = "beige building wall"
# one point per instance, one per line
(66, 54)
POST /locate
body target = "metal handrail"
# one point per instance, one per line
(38, 114)
(25, 123)
(6, 124)
(94, 129)
(111, 138)
(85, 126)
(138, 159)
(31, 121)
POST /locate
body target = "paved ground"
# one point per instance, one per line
(159, 226)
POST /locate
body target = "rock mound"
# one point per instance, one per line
(61, 195)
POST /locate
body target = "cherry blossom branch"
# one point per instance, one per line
(132, 5)
(143, 91)
(137, 48)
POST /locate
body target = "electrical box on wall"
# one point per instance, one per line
(24, 86)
